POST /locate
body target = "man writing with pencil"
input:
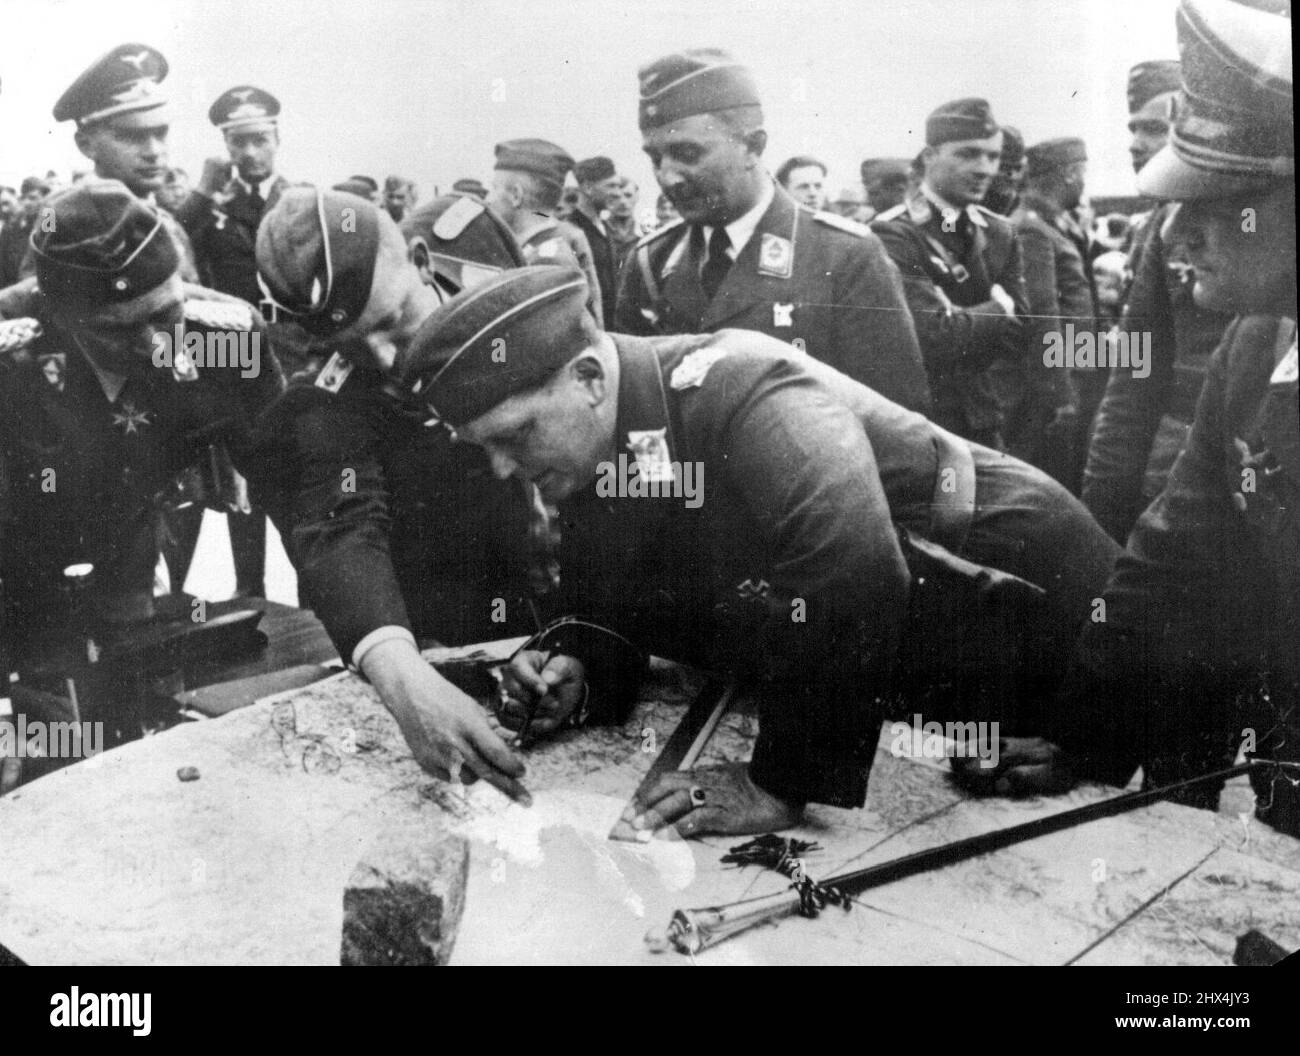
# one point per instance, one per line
(840, 556)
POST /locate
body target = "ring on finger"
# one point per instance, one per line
(697, 796)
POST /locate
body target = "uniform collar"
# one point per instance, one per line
(263, 187)
(742, 229)
(946, 208)
(110, 382)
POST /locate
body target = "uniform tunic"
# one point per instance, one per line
(815, 280)
(1143, 422)
(86, 478)
(789, 569)
(1203, 609)
(389, 523)
(949, 267)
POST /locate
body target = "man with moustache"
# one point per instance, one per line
(1196, 659)
(397, 534)
(746, 255)
(961, 271)
(1143, 423)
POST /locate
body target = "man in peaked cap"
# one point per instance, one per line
(236, 190)
(396, 533)
(1143, 421)
(1196, 659)
(745, 255)
(221, 217)
(526, 188)
(123, 118)
(152, 403)
(961, 271)
(732, 503)
(1051, 424)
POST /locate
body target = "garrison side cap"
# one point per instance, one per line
(505, 336)
(316, 254)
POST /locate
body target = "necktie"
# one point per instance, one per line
(717, 263)
(256, 200)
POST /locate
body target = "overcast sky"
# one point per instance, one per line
(426, 87)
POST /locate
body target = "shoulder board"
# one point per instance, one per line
(692, 370)
(219, 315)
(17, 335)
(843, 223)
(457, 217)
(548, 249)
(892, 213)
(658, 233)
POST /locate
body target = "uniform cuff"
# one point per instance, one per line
(392, 632)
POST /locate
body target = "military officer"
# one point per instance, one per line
(745, 255)
(123, 118)
(1143, 422)
(1050, 426)
(119, 405)
(731, 503)
(961, 271)
(221, 217)
(222, 213)
(396, 534)
(1197, 659)
(526, 188)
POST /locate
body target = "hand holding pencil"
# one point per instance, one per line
(541, 692)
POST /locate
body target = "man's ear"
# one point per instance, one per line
(590, 373)
(85, 143)
(756, 142)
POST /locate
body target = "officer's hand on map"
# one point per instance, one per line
(446, 729)
(1025, 766)
(711, 799)
(553, 687)
(1004, 300)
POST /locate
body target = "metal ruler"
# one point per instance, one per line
(686, 743)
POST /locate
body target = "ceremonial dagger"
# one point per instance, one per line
(693, 930)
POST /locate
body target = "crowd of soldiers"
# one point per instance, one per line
(935, 475)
